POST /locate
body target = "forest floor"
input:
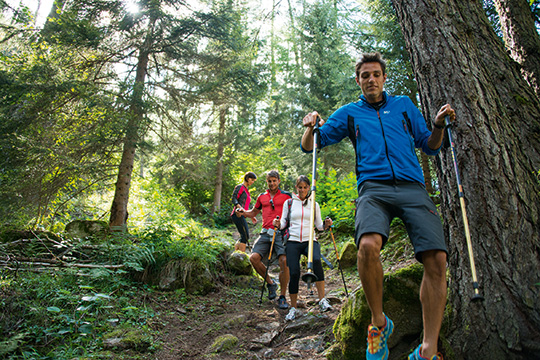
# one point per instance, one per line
(186, 328)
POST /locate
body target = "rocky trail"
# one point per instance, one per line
(231, 323)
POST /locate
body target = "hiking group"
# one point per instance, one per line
(384, 130)
(284, 216)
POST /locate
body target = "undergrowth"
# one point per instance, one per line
(48, 311)
(64, 314)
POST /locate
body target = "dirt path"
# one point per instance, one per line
(188, 325)
(186, 330)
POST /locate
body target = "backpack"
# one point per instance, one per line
(285, 233)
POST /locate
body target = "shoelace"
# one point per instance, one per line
(438, 356)
(374, 339)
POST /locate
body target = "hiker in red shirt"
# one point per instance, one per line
(271, 205)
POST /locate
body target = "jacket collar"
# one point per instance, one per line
(365, 102)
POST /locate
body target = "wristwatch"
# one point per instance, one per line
(438, 126)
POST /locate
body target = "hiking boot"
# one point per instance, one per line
(293, 313)
(417, 356)
(272, 290)
(324, 305)
(282, 302)
(377, 347)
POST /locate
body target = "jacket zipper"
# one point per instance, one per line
(386, 147)
(358, 150)
(408, 132)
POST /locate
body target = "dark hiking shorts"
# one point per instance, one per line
(263, 243)
(380, 202)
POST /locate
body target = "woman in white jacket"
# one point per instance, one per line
(296, 216)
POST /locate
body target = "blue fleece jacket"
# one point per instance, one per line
(384, 139)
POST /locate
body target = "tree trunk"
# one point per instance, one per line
(521, 38)
(219, 167)
(457, 58)
(119, 213)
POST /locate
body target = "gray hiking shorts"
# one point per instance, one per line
(380, 202)
(264, 241)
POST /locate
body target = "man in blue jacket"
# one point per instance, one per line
(385, 130)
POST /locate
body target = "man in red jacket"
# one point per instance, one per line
(271, 205)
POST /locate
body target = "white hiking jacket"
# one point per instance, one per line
(300, 219)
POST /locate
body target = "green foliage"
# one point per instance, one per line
(336, 197)
(58, 129)
(65, 315)
(191, 243)
(381, 32)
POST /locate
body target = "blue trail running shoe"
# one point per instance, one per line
(282, 302)
(417, 356)
(377, 347)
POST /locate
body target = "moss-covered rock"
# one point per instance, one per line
(238, 262)
(122, 339)
(401, 304)
(348, 255)
(193, 276)
(223, 343)
(86, 228)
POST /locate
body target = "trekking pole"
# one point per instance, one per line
(310, 277)
(269, 257)
(338, 261)
(476, 296)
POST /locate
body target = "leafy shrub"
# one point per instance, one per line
(337, 199)
(190, 242)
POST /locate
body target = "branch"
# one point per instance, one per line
(51, 262)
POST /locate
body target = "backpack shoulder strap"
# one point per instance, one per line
(289, 205)
(240, 192)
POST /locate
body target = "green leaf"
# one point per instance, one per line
(86, 329)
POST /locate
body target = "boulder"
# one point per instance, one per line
(194, 277)
(401, 304)
(123, 339)
(223, 343)
(85, 228)
(347, 256)
(238, 262)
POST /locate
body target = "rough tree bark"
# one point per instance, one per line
(457, 58)
(521, 38)
(119, 213)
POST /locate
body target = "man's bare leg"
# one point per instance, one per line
(371, 274)
(433, 293)
(256, 262)
(283, 274)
